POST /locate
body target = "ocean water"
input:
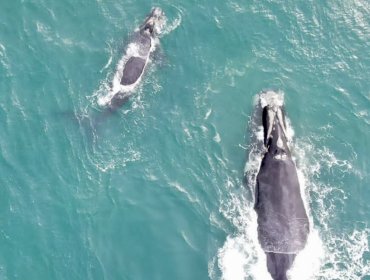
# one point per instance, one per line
(162, 187)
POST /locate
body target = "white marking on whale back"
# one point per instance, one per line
(275, 100)
(281, 121)
(280, 143)
(271, 117)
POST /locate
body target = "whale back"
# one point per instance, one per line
(133, 69)
(283, 224)
(144, 43)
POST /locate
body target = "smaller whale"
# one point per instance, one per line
(135, 64)
(132, 67)
(283, 224)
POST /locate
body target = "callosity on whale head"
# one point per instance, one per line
(154, 23)
(275, 133)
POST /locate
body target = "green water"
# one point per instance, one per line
(155, 190)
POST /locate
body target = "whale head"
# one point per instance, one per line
(275, 132)
(154, 23)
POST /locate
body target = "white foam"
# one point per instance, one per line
(272, 98)
(241, 256)
(2, 49)
(44, 30)
(308, 262)
(167, 28)
(232, 260)
(121, 160)
(182, 190)
(217, 138)
(4, 59)
(208, 114)
(341, 254)
(109, 60)
(188, 241)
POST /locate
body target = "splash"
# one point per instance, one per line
(335, 254)
(173, 25)
(271, 98)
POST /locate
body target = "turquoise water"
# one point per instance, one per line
(156, 189)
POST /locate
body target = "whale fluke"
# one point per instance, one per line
(278, 264)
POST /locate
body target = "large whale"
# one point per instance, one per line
(283, 225)
(136, 58)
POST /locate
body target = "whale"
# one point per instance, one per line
(282, 221)
(135, 65)
(136, 58)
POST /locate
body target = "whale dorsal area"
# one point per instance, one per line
(134, 67)
(144, 42)
(283, 224)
